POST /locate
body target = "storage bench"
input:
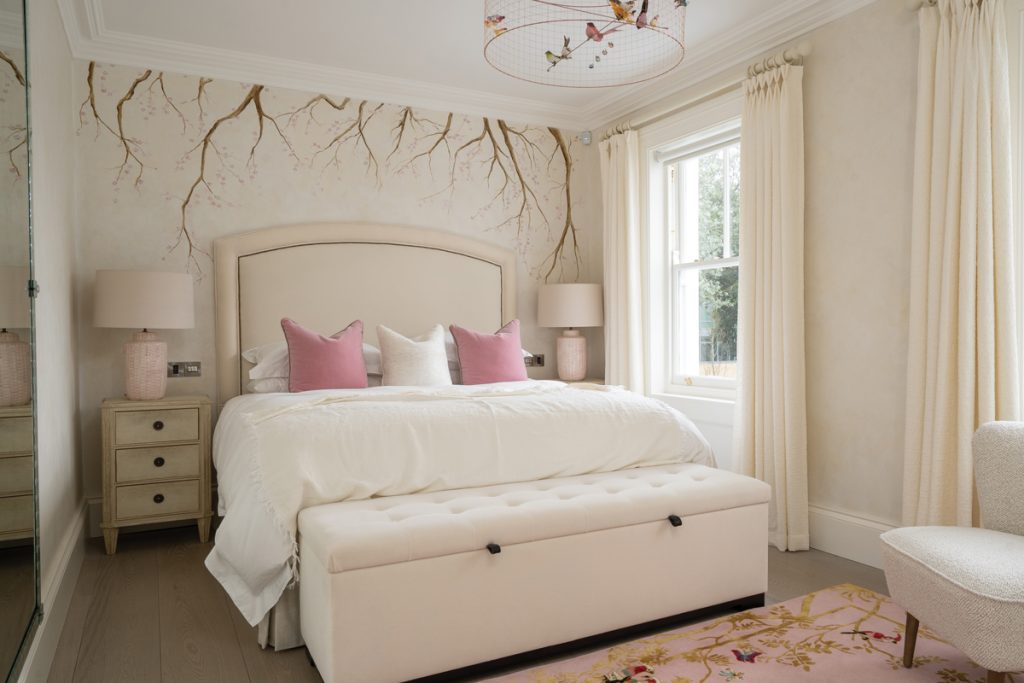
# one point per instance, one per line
(402, 587)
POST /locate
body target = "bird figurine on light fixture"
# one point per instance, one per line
(517, 34)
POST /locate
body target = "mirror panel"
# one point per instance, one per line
(19, 591)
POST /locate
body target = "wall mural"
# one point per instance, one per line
(14, 141)
(14, 135)
(527, 170)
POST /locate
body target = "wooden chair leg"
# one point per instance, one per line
(996, 677)
(910, 641)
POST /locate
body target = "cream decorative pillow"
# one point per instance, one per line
(419, 362)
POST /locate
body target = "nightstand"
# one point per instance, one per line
(156, 464)
(17, 513)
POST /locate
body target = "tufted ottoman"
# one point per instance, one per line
(401, 587)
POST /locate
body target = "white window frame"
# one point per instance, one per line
(700, 129)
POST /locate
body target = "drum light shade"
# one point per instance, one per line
(140, 299)
(584, 43)
(570, 305)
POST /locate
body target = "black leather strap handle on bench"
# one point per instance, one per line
(674, 520)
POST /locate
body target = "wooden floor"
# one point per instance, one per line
(153, 613)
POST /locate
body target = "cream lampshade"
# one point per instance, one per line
(141, 299)
(570, 305)
(15, 354)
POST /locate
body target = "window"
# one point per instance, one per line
(700, 227)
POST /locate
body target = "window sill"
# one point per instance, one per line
(712, 393)
(669, 397)
(701, 409)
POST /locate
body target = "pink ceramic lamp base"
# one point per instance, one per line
(15, 370)
(145, 367)
(572, 356)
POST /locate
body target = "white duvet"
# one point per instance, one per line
(277, 454)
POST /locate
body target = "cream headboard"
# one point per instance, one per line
(325, 275)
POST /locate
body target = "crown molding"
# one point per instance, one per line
(761, 35)
(90, 39)
(95, 42)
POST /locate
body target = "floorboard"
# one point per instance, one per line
(69, 645)
(268, 666)
(152, 613)
(197, 637)
(121, 635)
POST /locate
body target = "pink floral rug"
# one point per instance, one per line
(843, 633)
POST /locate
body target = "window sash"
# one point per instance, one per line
(679, 381)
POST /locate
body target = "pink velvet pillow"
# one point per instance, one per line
(487, 358)
(319, 362)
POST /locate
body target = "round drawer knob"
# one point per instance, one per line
(158, 462)
(158, 498)
(158, 425)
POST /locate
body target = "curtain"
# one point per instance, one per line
(771, 416)
(623, 262)
(962, 361)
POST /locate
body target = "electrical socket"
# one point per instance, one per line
(537, 361)
(184, 368)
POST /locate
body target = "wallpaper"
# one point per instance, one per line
(13, 181)
(166, 163)
(211, 144)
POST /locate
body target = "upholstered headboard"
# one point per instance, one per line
(325, 275)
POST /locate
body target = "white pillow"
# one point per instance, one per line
(279, 385)
(418, 362)
(271, 360)
(268, 385)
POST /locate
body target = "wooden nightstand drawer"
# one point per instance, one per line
(15, 475)
(16, 514)
(16, 435)
(153, 500)
(156, 426)
(159, 462)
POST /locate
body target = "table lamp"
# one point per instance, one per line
(15, 354)
(142, 299)
(570, 305)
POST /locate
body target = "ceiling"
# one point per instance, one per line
(407, 51)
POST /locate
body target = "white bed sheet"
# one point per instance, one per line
(277, 454)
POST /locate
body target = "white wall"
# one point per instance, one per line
(60, 469)
(127, 225)
(859, 130)
(859, 102)
(54, 243)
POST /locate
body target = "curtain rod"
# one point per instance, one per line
(788, 56)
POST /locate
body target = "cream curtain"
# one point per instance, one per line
(623, 262)
(771, 419)
(963, 344)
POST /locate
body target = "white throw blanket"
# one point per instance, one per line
(277, 454)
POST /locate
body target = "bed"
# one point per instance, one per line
(454, 525)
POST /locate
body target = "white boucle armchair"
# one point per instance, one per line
(967, 584)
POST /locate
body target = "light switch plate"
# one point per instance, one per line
(537, 361)
(184, 368)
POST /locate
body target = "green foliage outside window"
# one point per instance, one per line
(719, 287)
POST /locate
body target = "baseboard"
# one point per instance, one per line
(56, 601)
(846, 535)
